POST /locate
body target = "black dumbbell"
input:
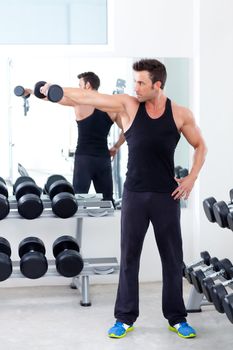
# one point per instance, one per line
(20, 92)
(221, 210)
(208, 208)
(33, 262)
(205, 260)
(69, 262)
(27, 194)
(181, 172)
(5, 260)
(4, 203)
(196, 275)
(224, 270)
(54, 94)
(218, 292)
(227, 304)
(61, 193)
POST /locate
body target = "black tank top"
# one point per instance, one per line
(92, 134)
(152, 144)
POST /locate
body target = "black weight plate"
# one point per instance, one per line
(64, 205)
(218, 292)
(19, 90)
(5, 246)
(206, 257)
(30, 206)
(59, 187)
(69, 263)
(5, 267)
(37, 87)
(63, 243)
(51, 179)
(208, 208)
(27, 188)
(227, 304)
(4, 207)
(33, 265)
(31, 244)
(20, 180)
(221, 210)
(55, 93)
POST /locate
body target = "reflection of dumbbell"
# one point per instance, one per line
(27, 194)
(208, 208)
(205, 260)
(54, 94)
(225, 270)
(33, 263)
(69, 262)
(181, 172)
(4, 203)
(5, 260)
(197, 275)
(21, 92)
(61, 193)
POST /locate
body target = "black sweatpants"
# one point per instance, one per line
(96, 169)
(138, 210)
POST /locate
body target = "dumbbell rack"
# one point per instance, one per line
(88, 206)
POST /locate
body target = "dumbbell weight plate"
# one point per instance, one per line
(20, 180)
(227, 304)
(218, 292)
(4, 207)
(208, 208)
(69, 262)
(33, 263)
(30, 206)
(25, 188)
(51, 180)
(19, 90)
(230, 221)
(55, 93)
(207, 283)
(221, 210)
(37, 87)
(64, 205)
(5, 261)
(59, 187)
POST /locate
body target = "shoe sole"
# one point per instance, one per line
(173, 329)
(112, 335)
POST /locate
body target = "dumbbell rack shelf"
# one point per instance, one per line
(88, 206)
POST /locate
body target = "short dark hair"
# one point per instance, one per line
(91, 78)
(156, 69)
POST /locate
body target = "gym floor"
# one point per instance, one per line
(50, 317)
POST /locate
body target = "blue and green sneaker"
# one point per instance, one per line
(119, 330)
(183, 329)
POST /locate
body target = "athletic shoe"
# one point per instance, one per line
(183, 329)
(119, 330)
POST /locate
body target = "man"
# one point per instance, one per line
(152, 125)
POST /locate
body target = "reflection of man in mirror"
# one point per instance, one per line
(152, 125)
(92, 155)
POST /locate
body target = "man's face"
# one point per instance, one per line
(143, 86)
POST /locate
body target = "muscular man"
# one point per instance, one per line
(152, 125)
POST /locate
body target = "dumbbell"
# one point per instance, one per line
(4, 203)
(33, 262)
(196, 274)
(5, 260)
(54, 94)
(27, 194)
(221, 210)
(218, 292)
(62, 196)
(208, 208)
(181, 172)
(69, 262)
(205, 259)
(224, 270)
(20, 92)
(227, 304)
